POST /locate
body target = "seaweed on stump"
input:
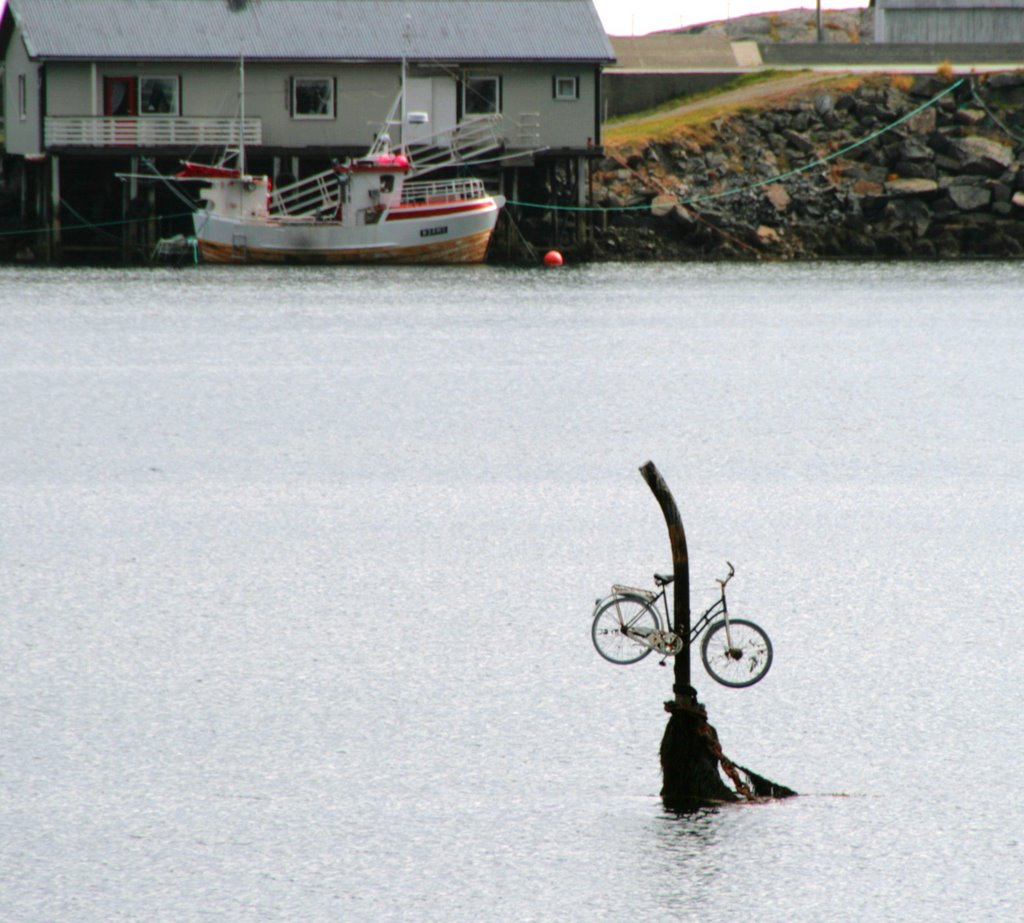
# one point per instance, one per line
(689, 764)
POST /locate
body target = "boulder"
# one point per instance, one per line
(682, 216)
(981, 156)
(777, 195)
(798, 141)
(866, 187)
(915, 170)
(911, 187)
(1000, 191)
(969, 116)
(1004, 81)
(910, 213)
(663, 205)
(914, 149)
(923, 123)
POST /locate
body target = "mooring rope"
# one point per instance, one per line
(1005, 128)
(86, 221)
(95, 225)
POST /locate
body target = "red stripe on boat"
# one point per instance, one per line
(418, 211)
(206, 171)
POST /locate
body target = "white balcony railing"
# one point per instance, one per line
(151, 131)
(452, 190)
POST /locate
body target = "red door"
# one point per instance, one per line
(121, 98)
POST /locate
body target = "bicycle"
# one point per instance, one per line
(627, 627)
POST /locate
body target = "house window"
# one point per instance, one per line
(158, 96)
(567, 88)
(481, 96)
(132, 96)
(22, 97)
(313, 98)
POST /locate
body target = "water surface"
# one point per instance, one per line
(297, 568)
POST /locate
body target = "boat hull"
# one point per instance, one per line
(453, 233)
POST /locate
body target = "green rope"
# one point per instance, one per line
(95, 225)
(1001, 125)
(765, 182)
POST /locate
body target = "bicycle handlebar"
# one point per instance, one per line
(732, 573)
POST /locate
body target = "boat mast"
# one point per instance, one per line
(241, 115)
(406, 38)
(401, 130)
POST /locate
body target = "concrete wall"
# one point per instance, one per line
(627, 93)
(807, 55)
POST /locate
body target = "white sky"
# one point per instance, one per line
(638, 17)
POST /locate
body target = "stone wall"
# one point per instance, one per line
(946, 183)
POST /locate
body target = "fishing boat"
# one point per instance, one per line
(363, 210)
(373, 208)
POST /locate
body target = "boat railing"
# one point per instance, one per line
(421, 192)
(314, 195)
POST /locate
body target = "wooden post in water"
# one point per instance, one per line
(684, 692)
(689, 749)
(690, 752)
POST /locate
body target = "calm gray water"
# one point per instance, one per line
(297, 568)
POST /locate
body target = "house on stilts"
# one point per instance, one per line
(98, 95)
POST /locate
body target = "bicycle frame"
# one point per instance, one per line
(718, 608)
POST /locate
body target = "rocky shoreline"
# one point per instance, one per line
(945, 183)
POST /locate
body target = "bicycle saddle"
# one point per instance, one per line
(664, 579)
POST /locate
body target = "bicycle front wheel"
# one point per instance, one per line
(619, 627)
(739, 656)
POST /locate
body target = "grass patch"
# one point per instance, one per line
(667, 123)
(744, 80)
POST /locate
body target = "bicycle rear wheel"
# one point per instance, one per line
(738, 658)
(618, 627)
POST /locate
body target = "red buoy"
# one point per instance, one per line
(553, 258)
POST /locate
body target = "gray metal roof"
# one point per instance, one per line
(337, 30)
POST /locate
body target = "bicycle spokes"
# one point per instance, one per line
(736, 653)
(621, 628)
